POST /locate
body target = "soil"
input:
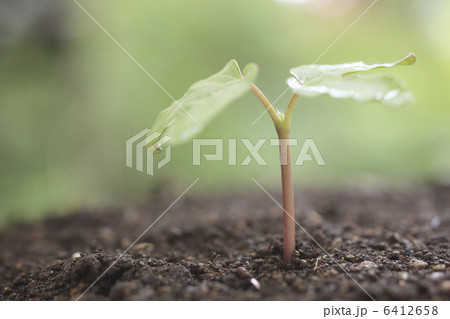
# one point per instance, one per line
(394, 244)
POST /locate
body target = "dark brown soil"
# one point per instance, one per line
(394, 244)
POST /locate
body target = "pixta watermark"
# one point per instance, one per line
(138, 151)
(308, 151)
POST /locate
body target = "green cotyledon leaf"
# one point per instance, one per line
(345, 81)
(203, 101)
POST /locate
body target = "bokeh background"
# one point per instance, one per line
(70, 97)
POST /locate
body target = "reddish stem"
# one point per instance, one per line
(288, 196)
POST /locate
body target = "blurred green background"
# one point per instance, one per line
(70, 97)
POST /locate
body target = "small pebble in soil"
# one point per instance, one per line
(180, 273)
(403, 275)
(255, 283)
(76, 255)
(436, 275)
(157, 262)
(303, 263)
(242, 272)
(331, 272)
(435, 222)
(367, 264)
(349, 257)
(417, 264)
(277, 276)
(439, 267)
(445, 286)
(148, 247)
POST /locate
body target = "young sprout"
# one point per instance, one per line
(204, 100)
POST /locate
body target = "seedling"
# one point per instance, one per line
(204, 100)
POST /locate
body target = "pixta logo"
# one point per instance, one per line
(138, 145)
(307, 152)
